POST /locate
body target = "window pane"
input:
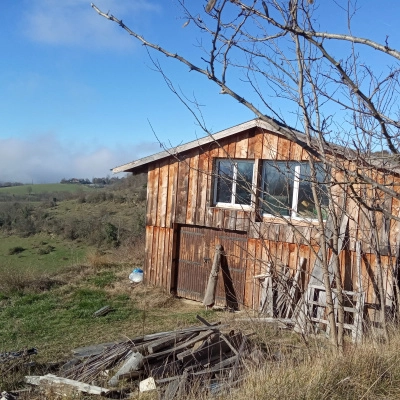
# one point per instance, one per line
(244, 179)
(306, 204)
(224, 179)
(277, 187)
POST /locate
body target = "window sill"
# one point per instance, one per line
(286, 219)
(236, 207)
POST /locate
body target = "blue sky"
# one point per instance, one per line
(78, 93)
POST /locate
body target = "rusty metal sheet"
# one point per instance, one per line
(196, 252)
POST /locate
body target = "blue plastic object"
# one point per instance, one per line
(136, 275)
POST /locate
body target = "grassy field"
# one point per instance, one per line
(44, 188)
(42, 253)
(54, 312)
(52, 309)
(47, 300)
(51, 284)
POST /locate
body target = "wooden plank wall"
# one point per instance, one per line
(158, 257)
(180, 189)
(180, 192)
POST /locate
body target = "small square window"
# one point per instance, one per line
(233, 184)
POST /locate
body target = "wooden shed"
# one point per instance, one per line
(243, 188)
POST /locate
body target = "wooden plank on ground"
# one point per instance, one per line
(167, 341)
(182, 346)
(56, 380)
(133, 363)
(224, 338)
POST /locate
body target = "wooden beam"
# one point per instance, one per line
(55, 380)
(209, 297)
(133, 363)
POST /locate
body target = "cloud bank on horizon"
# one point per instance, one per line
(51, 129)
(78, 93)
(45, 159)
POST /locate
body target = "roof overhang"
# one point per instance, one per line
(255, 123)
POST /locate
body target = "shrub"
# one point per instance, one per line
(96, 197)
(15, 250)
(111, 233)
(46, 250)
(142, 194)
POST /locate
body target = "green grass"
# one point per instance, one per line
(45, 188)
(103, 279)
(41, 252)
(51, 308)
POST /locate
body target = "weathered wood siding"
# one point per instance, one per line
(180, 188)
(180, 194)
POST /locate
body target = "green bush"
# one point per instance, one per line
(46, 250)
(111, 233)
(15, 250)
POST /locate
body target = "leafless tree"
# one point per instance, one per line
(347, 110)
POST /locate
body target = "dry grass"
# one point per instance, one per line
(369, 372)
(24, 280)
(290, 369)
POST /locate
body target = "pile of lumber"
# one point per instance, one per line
(13, 361)
(21, 354)
(280, 289)
(173, 363)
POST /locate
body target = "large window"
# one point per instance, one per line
(233, 182)
(286, 189)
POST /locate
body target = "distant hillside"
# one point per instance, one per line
(103, 217)
(44, 188)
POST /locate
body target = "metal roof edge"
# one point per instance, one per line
(193, 144)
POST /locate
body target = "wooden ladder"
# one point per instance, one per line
(354, 311)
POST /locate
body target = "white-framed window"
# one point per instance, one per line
(233, 183)
(286, 189)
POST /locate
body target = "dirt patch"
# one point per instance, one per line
(153, 297)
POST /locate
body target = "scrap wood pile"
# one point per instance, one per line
(171, 362)
(14, 360)
(21, 355)
(280, 289)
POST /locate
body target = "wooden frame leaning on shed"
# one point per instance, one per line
(184, 223)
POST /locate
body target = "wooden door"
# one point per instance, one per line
(196, 249)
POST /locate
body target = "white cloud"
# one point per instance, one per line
(44, 159)
(75, 23)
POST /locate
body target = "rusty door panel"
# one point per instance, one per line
(196, 254)
(191, 271)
